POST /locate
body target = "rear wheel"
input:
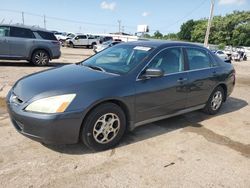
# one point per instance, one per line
(215, 101)
(40, 58)
(104, 127)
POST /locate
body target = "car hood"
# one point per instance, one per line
(61, 80)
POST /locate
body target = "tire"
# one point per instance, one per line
(104, 127)
(40, 58)
(92, 45)
(71, 45)
(215, 101)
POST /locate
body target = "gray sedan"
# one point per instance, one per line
(118, 89)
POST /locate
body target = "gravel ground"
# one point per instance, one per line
(191, 150)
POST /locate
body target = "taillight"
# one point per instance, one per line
(234, 76)
(55, 42)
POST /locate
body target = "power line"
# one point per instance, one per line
(63, 19)
(187, 14)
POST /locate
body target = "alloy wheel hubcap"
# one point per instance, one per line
(106, 128)
(217, 100)
(41, 58)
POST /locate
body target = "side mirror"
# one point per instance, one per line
(153, 73)
(76, 38)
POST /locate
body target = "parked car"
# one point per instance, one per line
(82, 40)
(35, 45)
(222, 55)
(62, 37)
(100, 47)
(105, 39)
(118, 89)
(239, 54)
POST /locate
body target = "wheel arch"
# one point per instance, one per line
(41, 48)
(118, 102)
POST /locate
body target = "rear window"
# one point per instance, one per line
(46, 35)
(21, 32)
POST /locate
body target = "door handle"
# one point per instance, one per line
(182, 80)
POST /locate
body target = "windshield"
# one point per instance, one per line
(119, 59)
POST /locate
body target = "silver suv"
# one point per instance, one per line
(33, 44)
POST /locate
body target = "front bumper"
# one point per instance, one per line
(61, 128)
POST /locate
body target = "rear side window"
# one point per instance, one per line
(47, 35)
(198, 59)
(21, 32)
(4, 31)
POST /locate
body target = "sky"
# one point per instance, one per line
(101, 16)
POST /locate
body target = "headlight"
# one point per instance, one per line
(56, 104)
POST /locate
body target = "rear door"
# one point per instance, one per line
(201, 74)
(4, 41)
(21, 39)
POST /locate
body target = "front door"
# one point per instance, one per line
(164, 95)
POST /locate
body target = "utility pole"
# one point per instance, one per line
(209, 24)
(119, 25)
(23, 17)
(44, 21)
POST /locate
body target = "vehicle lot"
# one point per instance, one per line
(192, 150)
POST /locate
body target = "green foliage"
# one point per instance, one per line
(158, 35)
(231, 29)
(171, 36)
(186, 30)
(222, 46)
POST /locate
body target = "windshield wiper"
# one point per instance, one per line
(95, 68)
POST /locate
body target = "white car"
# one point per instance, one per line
(62, 37)
(82, 40)
(100, 47)
(222, 55)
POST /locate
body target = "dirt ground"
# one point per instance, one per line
(191, 150)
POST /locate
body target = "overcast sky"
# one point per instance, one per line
(98, 16)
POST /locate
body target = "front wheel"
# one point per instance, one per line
(104, 127)
(215, 101)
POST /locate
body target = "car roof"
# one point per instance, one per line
(33, 28)
(162, 43)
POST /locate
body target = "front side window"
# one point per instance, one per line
(119, 59)
(198, 59)
(169, 60)
(21, 32)
(4, 31)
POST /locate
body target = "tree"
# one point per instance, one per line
(158, 35)
(171, 36)
(147, 35)
(186, 30)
